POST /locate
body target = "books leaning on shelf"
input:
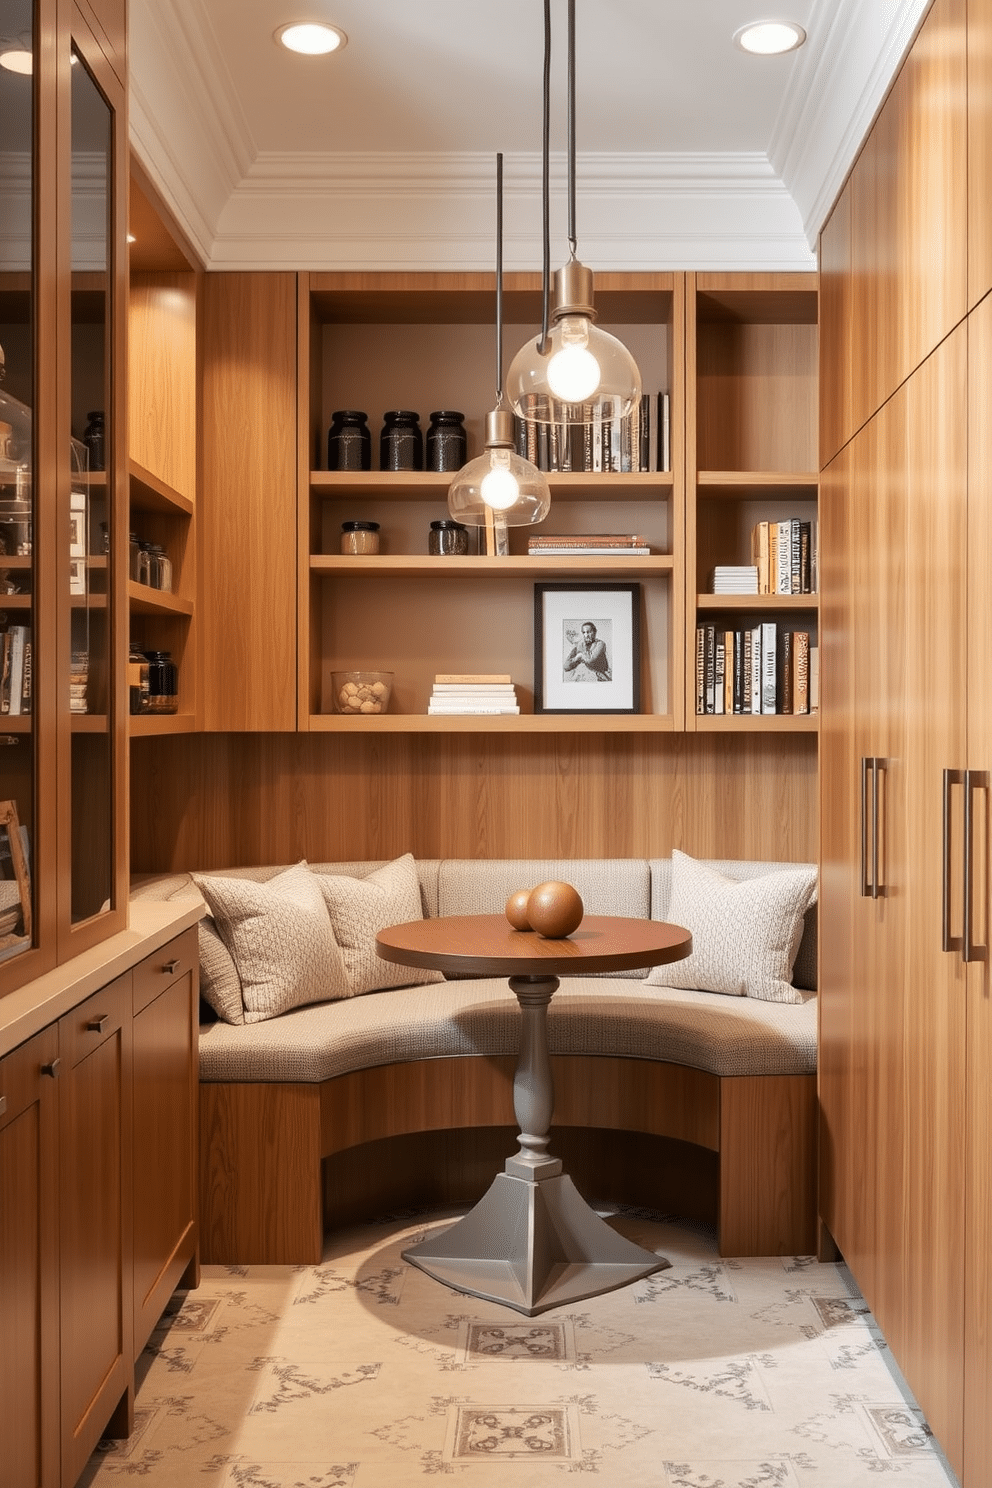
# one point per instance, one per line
(785, 555)
(642, 441)
(756, 670)
(79, 676)
(739, 579)
(584, 544)
(15, 670)
(472, 693)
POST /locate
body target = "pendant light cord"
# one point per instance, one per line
(544, 344)
(499, 279)
(572, 236)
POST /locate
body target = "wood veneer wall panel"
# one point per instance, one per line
(162, 377)
(835, 374)
(214, 801)
(979, 149)
(768, 1207)
(247, 510)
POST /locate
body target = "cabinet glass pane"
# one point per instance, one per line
(89, 525)
(17, 461)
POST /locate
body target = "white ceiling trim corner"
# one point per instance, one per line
(834, 96)
(399, 212)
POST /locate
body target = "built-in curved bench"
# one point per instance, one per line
(728, 1075)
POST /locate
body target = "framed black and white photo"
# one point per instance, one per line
(587, 654)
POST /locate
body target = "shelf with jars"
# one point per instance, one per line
(389, 344)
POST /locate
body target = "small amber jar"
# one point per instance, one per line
(359, 537)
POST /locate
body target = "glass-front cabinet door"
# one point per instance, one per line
(62, 277)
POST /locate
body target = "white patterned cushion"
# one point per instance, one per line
(359, 908)
(280, 939)
(744, 934)
(220, 985)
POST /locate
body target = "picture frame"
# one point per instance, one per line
(587, 653)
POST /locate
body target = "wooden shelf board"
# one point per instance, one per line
(733, 484)
(755, 602)
(143, 600)
(89, 723)
(523, 723)
(18, 723)
(415, 485)
(419, 565)
(149, 493)
(145, 725)
(16, 601)
(754, 723)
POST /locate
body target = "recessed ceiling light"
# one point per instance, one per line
(312, 38)
(769, 38)
(17, 60)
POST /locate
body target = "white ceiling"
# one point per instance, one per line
(690, 153)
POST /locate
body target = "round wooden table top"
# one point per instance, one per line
(488, 945)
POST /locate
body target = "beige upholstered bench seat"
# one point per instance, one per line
(726, 1036)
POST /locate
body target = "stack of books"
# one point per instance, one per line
(473, 692)
(585, 544)
(15, 669)
(79, 675)
(641, 441)
(731, 579)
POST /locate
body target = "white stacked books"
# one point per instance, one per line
(472, 693)
(735, 579)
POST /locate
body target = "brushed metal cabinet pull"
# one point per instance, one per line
(974, 780)
(170, 966)
(97, 1025)
(865, 884)
(948, 942)
(51, 1068)
(877, 889)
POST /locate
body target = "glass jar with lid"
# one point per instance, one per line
(446, 445)
(359, 537)
(163, 682)
(401, 442)
(448, 539)
(349, 441)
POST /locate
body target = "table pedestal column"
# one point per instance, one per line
(532, 1242)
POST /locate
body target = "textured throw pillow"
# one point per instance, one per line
(359, 908)
(220, 985)
(280, 939)
(744, 935)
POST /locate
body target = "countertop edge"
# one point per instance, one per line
(152, 923)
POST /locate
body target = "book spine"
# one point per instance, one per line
(729, 648)
(805, 577)
(800, 688)
(787, 673)
(16, 668)
(665, 433)
(783, 550)
(768, 662)
(719, 673)
(700, 669)
(710, 667)
(795, 576)
(814, 679)
(756, 670)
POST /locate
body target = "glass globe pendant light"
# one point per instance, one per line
(499, 488)
(576, 372)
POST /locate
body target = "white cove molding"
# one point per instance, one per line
(243, 208)
(408, 212)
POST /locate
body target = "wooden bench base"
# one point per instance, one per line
(263, 1147)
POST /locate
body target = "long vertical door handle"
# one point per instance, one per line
(948, 942)
(974, 780)
(877, 886)
(865, 881)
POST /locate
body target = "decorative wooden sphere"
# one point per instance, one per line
(554, 909)
(516, 909)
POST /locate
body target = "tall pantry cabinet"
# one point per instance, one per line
(905, 544)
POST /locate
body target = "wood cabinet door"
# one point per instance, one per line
(95, 1197)
(979, 149)
(29, 1324)
(927, 1206)
(978, 1177)
(164, 1094)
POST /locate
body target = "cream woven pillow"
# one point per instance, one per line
(280, 939)
(744, 935)
(359, 908)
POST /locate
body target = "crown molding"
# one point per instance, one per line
(395, 212)
(835, 93)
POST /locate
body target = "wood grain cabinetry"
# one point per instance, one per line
(97, 1209)
(29, 1257)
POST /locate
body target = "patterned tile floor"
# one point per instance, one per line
(365, 1373)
